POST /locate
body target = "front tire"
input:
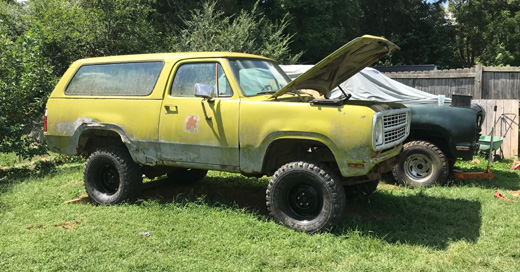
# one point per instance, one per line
(305, 196)
(111, 176)
(421, 164)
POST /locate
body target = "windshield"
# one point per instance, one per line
(257, 77)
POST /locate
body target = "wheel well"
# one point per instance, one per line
(433, 137)
(284, 151)
(92, 140)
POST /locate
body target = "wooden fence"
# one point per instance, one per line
(506, 124)
(481, 82)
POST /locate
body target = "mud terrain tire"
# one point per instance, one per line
(111, 176)
(305, 196)
(421, 164)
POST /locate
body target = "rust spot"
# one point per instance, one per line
(363, 116)
(191, 124)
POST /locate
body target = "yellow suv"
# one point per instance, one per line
(182, 114)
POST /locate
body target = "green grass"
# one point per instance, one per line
(8, 159)
(221, 224)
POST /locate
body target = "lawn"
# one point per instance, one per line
(221, 224)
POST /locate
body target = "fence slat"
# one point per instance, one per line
(507, 116)
(480, 82)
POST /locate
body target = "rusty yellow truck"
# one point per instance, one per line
(182, 114)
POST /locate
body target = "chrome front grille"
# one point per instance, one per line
(395, 135)
(394, 120)
(395, 127)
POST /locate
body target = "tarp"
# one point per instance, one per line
(370, 84)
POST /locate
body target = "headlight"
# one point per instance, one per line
(378, 132)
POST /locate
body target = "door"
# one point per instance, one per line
(196, 131)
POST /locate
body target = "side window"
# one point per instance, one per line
(115, 79)
(224, 89)
(209, 73)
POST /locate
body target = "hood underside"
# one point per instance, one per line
(341, 65)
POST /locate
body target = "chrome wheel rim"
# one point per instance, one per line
(418, 167)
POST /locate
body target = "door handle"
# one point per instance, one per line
(170, 108)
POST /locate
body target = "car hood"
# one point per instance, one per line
(340, 65)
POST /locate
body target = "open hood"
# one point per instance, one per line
(340, 65)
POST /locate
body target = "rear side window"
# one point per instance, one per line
(137, 78)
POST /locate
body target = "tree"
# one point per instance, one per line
(26, 79)
(207, 29)
(78, 29)
(471, 24)
(488, 32)
(503, 36)
(319, 26)
(13, 18)
(420, 29)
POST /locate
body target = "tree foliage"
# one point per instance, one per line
(319, 26)
(26, 78)
(78, 29)
(208, 29)
(41, 38)
(470, 28)
(488, 32)
(420, 29)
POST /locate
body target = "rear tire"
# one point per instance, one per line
(306, 197)
(111, 176)
(421, 164)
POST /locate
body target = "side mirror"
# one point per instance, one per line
(204, 91)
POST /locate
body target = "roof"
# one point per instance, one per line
(167, 56)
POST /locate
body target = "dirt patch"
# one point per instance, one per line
(34, 227)
(68, 225)
(82, 199)
(515, 193)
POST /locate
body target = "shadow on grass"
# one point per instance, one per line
(216, 191)
(15, 174)
(37, 168)
(417, 220)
